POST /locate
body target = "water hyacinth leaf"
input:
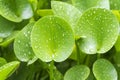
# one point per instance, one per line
(78, 72)
(104, 70)
(52, 39)
(15, 10)
(66, 11)
(99, 30)
(22, 44)
(83, 5)
(2, 61)
(6, 27)
(7, 69)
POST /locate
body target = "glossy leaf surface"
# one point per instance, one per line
(22, 44)
(66, 11)
(79, 72)
(52, 39)
(83, 5)
(104, 70)
(15, 10)
(6, 27)
(7, 69)
(98, 29)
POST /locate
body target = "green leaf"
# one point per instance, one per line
(114, 4)
(98, 29)
(83, 5)
(104, 70)
(117, 58)
(22, 44)
(66, 11)
(9, 39)
(52, 39)
(15, 10)
(7, 69)
(117, 44)
(6, 27)
(44, 12)
(2, 61)
(57, 75)
(78, 72)
(117, 14)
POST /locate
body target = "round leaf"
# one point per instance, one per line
(98, 29)
(83, 5)
(104, 70)
(52, 39)
(22, 44)
(79, 72)
(66, 11)
(15, 10)
(8, 69)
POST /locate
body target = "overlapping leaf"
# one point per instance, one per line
(83, 5)
(66, 11)
(22, 44)
(99, 30)
(52, 39)
(15, 10)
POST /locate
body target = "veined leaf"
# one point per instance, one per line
(66, 11)
(7, 69)
(104, 70)
(52, 39)
(22, 44)
(99, 30)
(79, 72)
(83, 5)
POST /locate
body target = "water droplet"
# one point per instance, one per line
(18, 41)
(53, 56)
(63, 35)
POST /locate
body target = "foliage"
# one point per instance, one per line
(59, 40)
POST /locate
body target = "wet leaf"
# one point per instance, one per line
(22, 44)
(52, 39)
(15, 10)
(99, 30)
(83, 5)
(104, 70)
(7, 69)
(114, 4)
(79, 72)
(66, 11)
(6, 27)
